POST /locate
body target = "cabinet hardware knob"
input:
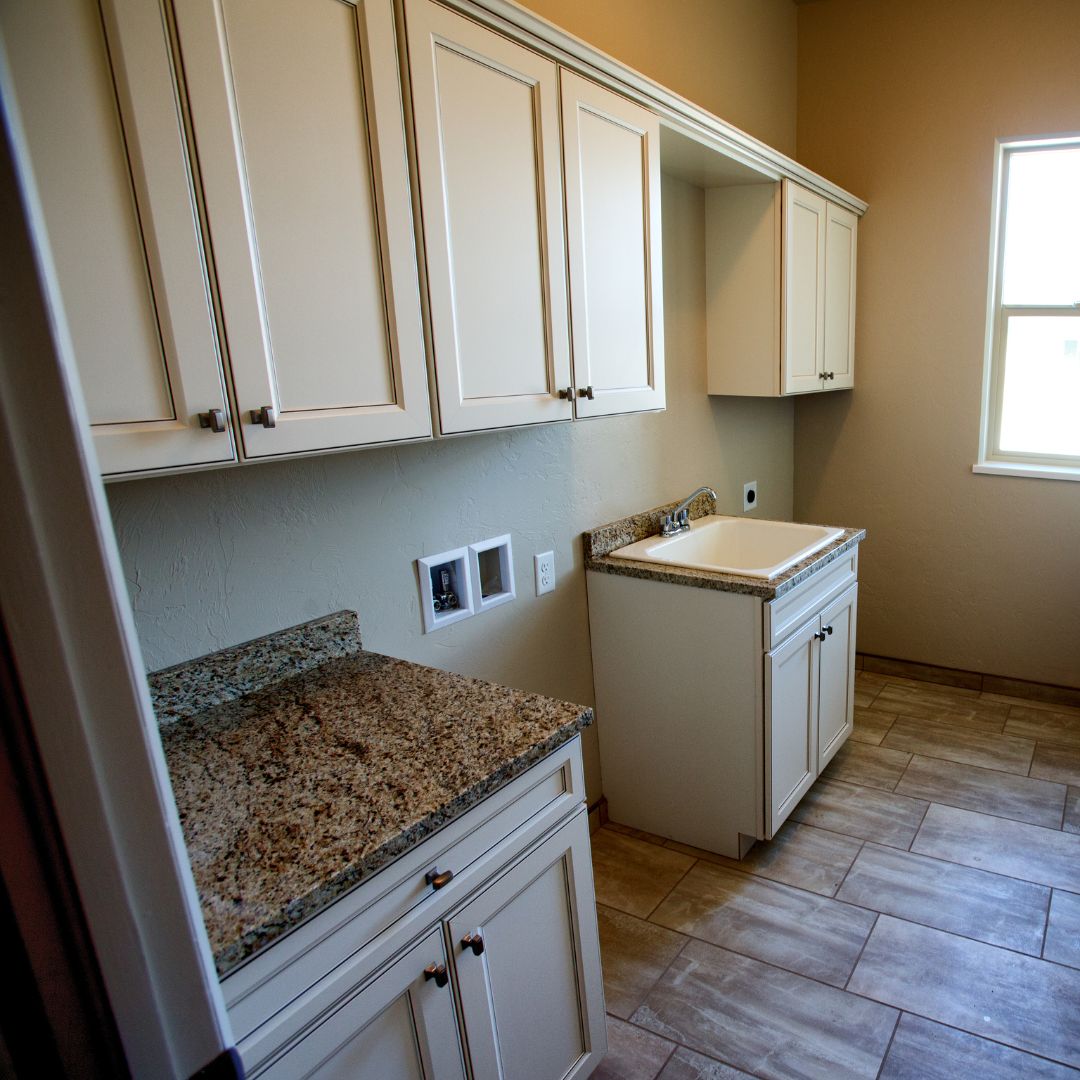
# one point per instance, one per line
(830, 374)
(438, 973)
(822, 375)
(267, 416)
(474, 942)
(437, 880)
(214, 420)
(820, 637)
(587, 393)
(567, 394)
(827, 629)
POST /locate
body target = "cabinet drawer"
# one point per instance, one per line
(509, 820)
(788, 612)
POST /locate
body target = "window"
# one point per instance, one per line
(1031, 400)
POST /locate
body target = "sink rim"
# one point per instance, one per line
(661, 551)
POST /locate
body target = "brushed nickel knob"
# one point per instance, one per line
(214, 420)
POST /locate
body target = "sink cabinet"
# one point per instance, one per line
(718, 710)
(492, 971)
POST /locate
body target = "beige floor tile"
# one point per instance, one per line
(687, 1065)
(923, 672)
(932, 739)
(1063, 930)
(857, 811)
(973, 903)
(870, 766)
(1031, 703)
(765, 1020)
(803, 932)
(989, 791)
(1046, 725)
(1060, 763)
(632, 1054)
(1018, 1000)
(797, 855)
(864, 698)
(1033, 692)
(634, 875)
(931, 686)
(634, 955)
(870, 680)
(1030, 852)
(639, 834)
(871, 727)
(940, 704)
(923, 1050)
(1071, 823)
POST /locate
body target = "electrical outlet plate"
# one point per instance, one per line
(749, 496)
(491, 563)
(544, 566)
(429, 568)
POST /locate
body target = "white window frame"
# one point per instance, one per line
(992, 459)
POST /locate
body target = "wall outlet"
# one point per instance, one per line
(545, 572)
(749, 496)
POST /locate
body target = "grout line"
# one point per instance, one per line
(866, 940)
(892, 1039)
(1046, 924)
(654, 908)
(847, 872)
(922, 820)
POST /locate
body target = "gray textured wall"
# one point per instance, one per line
(219, 557)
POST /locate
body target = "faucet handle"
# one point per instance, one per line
(683, 519)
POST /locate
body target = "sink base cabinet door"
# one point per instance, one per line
(836, 681)
(532, 998)
(791, 742)
(399, 1026)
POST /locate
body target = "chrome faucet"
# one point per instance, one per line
(679, 518)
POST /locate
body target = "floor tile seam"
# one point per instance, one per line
(1000, 817)
(1046, 924)
(957, 761)
(676, 1044)
(985, 768)
(847, 872)
(892, 1039)
(987, 813)
(964, 728)
(922, 821)
(682, 876)
(871, 790)
(847, 981)
(1054, 744)
(977, 1035)
(890, 679)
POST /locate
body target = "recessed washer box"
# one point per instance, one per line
(446, 591)
(492, 565)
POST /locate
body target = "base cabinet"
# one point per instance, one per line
(719, 711)
(494, 975)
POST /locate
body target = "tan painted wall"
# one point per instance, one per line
(735, 58)
(901, 104)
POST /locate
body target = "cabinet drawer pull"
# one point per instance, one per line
(267, 416)
(567, 394)
(438, 973)
(437, 880)
(586, 393)
(214, 420)
(474, 942)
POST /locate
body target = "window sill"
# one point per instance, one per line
(1039, 472)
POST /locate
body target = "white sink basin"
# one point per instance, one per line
(760, 549)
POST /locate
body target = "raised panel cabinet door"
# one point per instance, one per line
(486, 114)
(611, 155)
(791, 743)
(803, 290)
(838, 357)
(298, 119)
(102, 126)
(836, 683)
(399, 1026)
(528, 965)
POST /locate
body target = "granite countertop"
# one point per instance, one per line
(604, 539)
(302, 764)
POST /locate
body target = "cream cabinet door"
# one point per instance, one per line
(838, 353)
(836, 682)
(528, 966)
(611, 154)
(400, 1026)
(486, 112)
(102, 126)
(298, 120)
(791, 740)
(803, 290)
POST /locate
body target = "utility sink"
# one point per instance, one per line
(734, 545)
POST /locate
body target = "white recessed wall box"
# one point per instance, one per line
(492, 564)
(446, 592)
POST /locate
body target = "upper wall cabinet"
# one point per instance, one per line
(111, 169)
(491, 171)
(297, 116)
(611, 154)
(780, 288)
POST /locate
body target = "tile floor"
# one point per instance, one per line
(917, 917)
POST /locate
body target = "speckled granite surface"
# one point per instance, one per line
(599, 542)
(292, 794)
(191, 687)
